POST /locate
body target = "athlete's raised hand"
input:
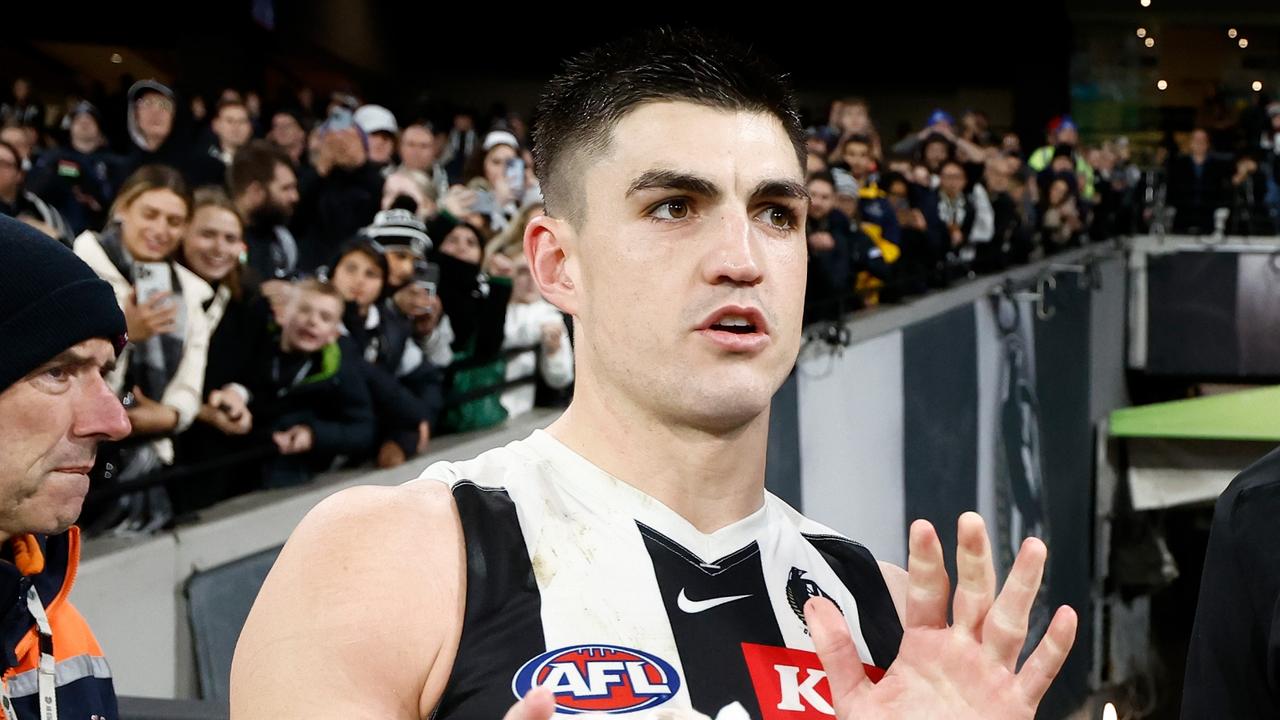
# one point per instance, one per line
(966, 670)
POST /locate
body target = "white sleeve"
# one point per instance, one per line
(557, 368)
(438, 346)
(410, 359)
(984, 221)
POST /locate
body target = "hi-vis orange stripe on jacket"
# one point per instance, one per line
(83, 679)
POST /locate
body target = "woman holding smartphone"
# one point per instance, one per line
(218, 445)
(160, 374)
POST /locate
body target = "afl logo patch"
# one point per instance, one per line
(599, 679)
(800, 589)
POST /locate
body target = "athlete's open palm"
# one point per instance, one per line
(964, 670)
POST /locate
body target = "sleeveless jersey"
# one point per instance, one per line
(580, 582)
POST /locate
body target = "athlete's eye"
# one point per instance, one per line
(778, 217)
(676, 209)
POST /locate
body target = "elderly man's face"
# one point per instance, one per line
(51, 422)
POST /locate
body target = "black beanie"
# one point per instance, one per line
(49, 301)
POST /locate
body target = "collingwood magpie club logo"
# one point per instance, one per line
(800, 589)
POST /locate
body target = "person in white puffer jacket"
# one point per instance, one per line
(537, 325)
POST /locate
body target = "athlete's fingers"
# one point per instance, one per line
(1042, 667)
(928, 587)
(537, 704)
(975, 575)
(836, 651)
(1005, 628)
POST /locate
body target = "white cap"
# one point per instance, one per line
(500, 137)
(375, 118)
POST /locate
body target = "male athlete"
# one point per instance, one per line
(628, 558)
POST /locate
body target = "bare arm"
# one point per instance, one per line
(361, 614)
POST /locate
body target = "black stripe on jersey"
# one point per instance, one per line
(860, 573)
(502, 626)
(710, 640)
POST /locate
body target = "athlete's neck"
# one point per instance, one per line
(711, 479)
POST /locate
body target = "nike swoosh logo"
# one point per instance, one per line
(697, 606)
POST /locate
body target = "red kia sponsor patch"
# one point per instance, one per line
(791, 684)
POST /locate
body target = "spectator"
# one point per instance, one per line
(976, 128)
(964, 218)
(216, 448)
(475, 304)
(406, 391)
(1011, 144)
(264, 189)
(1062, 132)
(838, 253)
(536, 341)
(163, 365)
(290, 135)
(419, 151)
(1062, 221)
(253, 103)
(1011, 239)
(1199, 184)
(21, 109)
(344, 196)
(410, 190)
(412, 281)
(935, 151)
(497, 174)
(232, 128)
(939, 123)
(858, 158)
(1254, 199)
(20, 140)
(379, 125)
(151, 115)
(916, 264)
(874, 212)
(309, 392)
(851, 117)
(18, 202)
(459, 146)
(79, 180)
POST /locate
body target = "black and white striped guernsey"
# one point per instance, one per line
(579, 581)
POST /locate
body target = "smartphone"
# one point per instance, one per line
(340, 119)
(515, 177)
(151, 279)
(484, 204)
(426, 276)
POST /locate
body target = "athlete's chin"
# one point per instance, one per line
(724, 409)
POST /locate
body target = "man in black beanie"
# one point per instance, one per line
(60, 332)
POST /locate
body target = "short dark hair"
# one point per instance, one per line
(858, 138)
(229, 103)
(594, 90)
(255, 163)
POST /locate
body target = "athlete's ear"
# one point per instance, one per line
(550, 246)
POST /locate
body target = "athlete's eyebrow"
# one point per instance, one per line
(674, 180)
(780, 189)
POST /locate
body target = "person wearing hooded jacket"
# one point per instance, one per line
(154, 135)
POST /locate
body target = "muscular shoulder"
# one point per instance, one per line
(361, 610)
